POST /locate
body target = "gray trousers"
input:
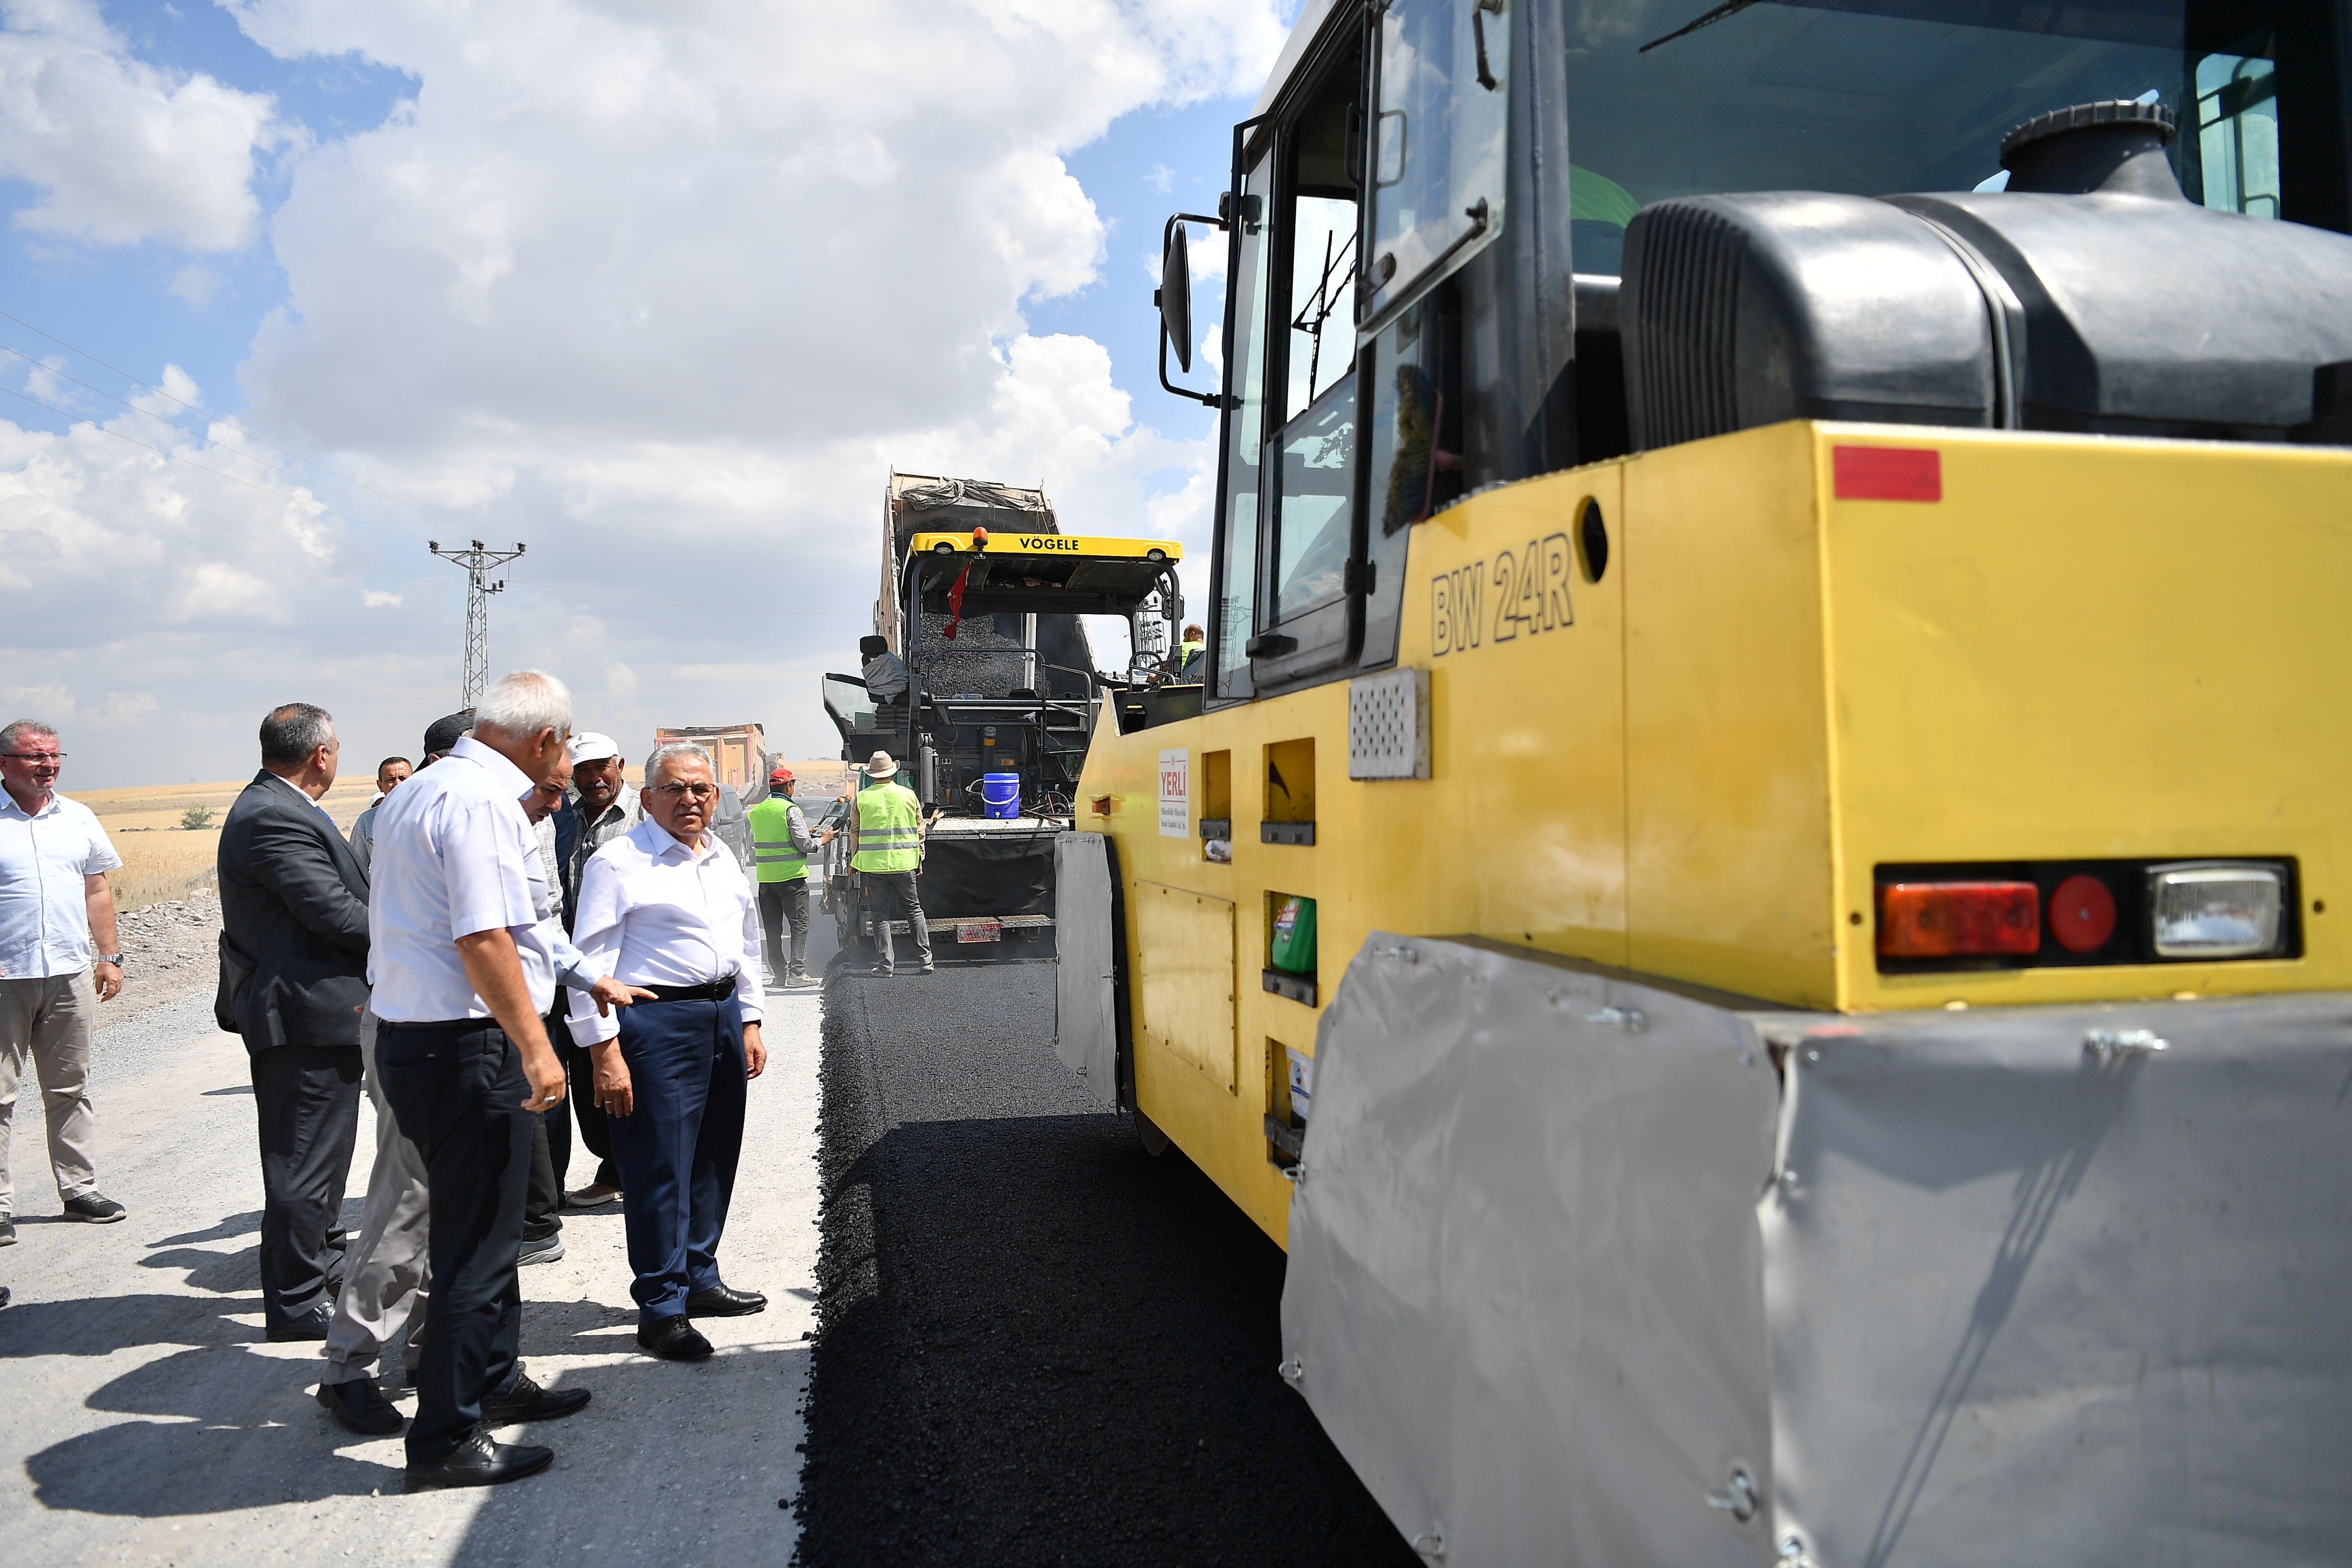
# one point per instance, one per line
(785, 905)
(897, 896)
(388, 1268)
(47, 1022)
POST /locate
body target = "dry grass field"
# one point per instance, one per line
(163, 860)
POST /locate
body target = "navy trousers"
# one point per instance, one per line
(678, 1149)
(457, 1091)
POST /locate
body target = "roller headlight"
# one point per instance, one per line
(2215, 909)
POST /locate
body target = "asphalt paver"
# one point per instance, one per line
(1037, 1344)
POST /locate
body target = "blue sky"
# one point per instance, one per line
(530, 286)
(116, 303)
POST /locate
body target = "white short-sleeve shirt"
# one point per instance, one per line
(455, 854)
(44, 907)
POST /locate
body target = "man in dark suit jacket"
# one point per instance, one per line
(294, 904)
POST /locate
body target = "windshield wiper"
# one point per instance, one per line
(1728, 7)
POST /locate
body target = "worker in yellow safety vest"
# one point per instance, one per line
(1188, 651)
(889, 851)
(781, 842)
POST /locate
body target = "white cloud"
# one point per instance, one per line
(663, 291)
(195, 285)
(120, 150)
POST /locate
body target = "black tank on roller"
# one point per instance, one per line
(2089, 296)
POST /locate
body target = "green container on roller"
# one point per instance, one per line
(1293, 949)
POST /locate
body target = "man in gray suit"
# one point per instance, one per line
(294, 909)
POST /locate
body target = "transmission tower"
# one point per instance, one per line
(478, 564)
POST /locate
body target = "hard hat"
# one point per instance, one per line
(781, 774)
(881, 766)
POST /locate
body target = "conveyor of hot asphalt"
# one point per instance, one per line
(1037, 1344)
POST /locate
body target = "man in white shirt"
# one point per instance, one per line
(462, 962)
(388, 1270)
(665, 907)
(54, 898)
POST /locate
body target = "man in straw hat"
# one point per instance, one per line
(889, 851)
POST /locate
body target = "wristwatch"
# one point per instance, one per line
(113, 958)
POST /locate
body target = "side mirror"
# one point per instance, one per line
(1176, 295)
(1175, 299)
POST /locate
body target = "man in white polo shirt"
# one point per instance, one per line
(54, 899)
(462, 966)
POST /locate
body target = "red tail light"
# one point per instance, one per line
(1953, 919)
(2082, 914)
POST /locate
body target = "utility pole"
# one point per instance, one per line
(478, 564)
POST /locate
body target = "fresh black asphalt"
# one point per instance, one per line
(1037, 1344)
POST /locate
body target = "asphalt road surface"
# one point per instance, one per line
(1037, 1344)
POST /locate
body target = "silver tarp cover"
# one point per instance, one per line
(2032, 1304)
(1996, 1297)
(1086, 1017)
(1525, 1290)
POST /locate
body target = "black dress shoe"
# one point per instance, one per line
(310, 1325)
(480, 1462)
(673, 1339)
(359, 1405)
(718, 1301)
(526, 1401)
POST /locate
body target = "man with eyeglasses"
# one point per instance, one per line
(54, 899)
(665, 907)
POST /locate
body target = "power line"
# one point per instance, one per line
(589, 590)
(191, 407)
(175, 456)
(201, 436)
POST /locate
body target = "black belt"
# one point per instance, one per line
(442, 1024)
(710, 991)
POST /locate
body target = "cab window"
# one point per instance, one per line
(1237, 564)
(1292, 456)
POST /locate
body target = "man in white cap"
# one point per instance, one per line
(890, 853)
(605, 805)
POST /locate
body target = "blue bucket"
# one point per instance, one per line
(1000, 794)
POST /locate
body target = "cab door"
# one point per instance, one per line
(1290, 583)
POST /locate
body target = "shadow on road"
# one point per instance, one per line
(1039, 1343)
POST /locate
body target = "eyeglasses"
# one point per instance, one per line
(36, 756)
(698, 791)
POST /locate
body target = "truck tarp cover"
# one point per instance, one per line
(988, 874)
(2011, 1285)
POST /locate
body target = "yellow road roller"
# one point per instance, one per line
(1758, 888)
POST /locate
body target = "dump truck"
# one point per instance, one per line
(1773, 745)
(988, 674)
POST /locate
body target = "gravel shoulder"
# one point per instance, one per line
(1039, 1344)
(169, 951)
(149, 1420)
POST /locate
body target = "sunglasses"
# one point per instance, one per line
(36, 756)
